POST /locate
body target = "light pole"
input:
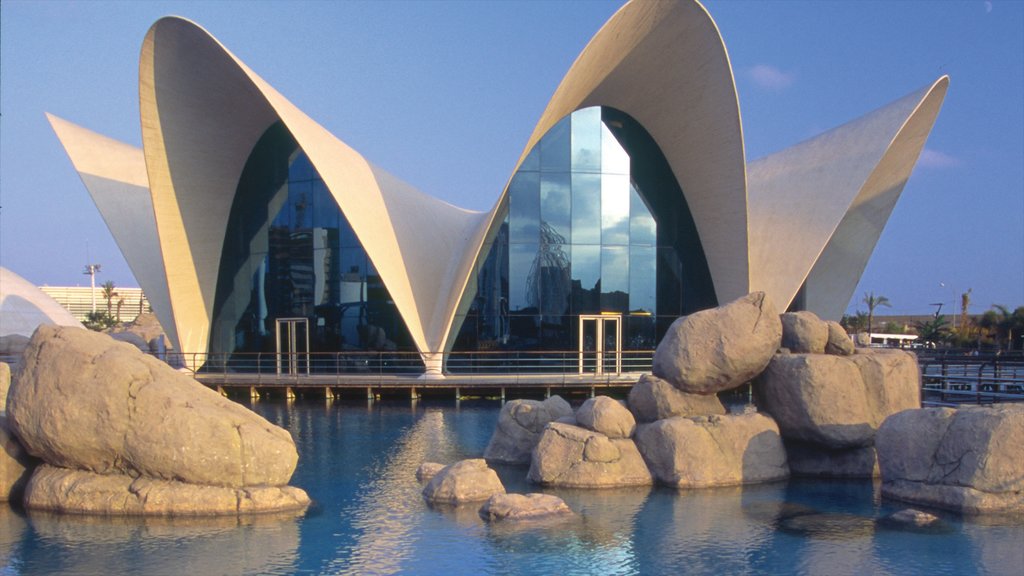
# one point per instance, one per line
(953, 305)
(90, 271)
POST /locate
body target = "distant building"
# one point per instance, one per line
(78, 300)
(253, 229)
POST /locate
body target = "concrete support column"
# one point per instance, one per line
(434, 364)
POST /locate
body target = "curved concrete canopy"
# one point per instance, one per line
(665, 64)
(799, 196)
(114, 173)
(203, 111)
(835, 274)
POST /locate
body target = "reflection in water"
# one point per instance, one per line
(98, 545)
(390, 502)
(358, 463)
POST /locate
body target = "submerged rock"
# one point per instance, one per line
(713, 451)
(576, 457)
(652, 398)
(912, 520)
(509, 507)
(721, 348)
(428, 470)
(464, 481)
(520, 425)
(62, 490)
(967, 460)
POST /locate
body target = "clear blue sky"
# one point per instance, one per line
(445, 94)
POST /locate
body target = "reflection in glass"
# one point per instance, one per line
(614, 279)
(554, 147)
(586, 279)
(524, 207)
(615, 209)
(614, 158)
(522, 294)
(555, 201)
(586, 208)
(642, 227)
(643, 279)
(586, 140)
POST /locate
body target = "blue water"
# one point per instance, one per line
(358, 462)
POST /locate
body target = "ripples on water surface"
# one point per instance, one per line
(358, 462)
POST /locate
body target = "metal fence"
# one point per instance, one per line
(950, 378)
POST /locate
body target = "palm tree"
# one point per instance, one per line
(934, 330)
(872, 302)
(109, 294)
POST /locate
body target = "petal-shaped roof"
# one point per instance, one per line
(23, 307)
(114, 173)
(806, 198)
(203, 111)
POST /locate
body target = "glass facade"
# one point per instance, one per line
(289, 252)
(595, 223)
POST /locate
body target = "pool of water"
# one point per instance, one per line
(358, 462)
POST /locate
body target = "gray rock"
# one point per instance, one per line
(84, 401)
(607, 416)
(575, 457)
(15, 465)
(76, 491)
(967, 460)
(719, 349)
(839, 342)
(912, 520)
(519, 507)
(520, 425)
(428, 470)
(464, 481)
(652, 398)
(838, 402)
(804, 333)
(5, 384)
(811, 460)
(713, 451)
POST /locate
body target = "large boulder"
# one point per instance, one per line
(465, 481)
(575, 457)
(804, 333)
(607, 416)
(652, 398)
(836, 401)
(520, 425)
(702, 452)
(15, 465)
(77, 491)
(519, 507)
(839, 342)
(5, 384)
(967, 460)
(84, 401)
(719, 349)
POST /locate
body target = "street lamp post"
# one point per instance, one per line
(953, 305)
(90, 271)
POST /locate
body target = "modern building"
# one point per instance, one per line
(252, 229)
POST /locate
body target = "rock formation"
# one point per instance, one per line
(5, 384)
(967, 460)
(428, 470)
(464, 481)
(607, 416)
(15, 465)
(719, 349)
(828, 407)
(839, 343)
(520, 425)
(519, 507)
(652, 398)
(701, 452)
(575, 457)
(804, 333)
(84, 403)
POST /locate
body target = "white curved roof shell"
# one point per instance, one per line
(812, 217)
(23, 307)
